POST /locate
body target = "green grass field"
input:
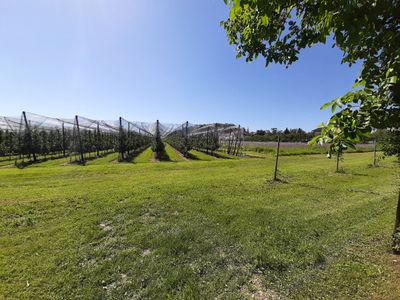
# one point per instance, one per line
(305, 149)
(197, 155)
(199, 229)
(173, 154)
(145, 156)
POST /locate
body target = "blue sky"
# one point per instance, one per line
(152, 59)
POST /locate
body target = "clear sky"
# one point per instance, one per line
(153, 59)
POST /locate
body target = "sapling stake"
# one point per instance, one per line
(277, 159)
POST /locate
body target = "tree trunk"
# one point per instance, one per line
(337, 161)
(397, 222)
(396, 230)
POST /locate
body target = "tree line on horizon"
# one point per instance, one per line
(286, 135)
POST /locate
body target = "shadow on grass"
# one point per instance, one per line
(24, 164)
(162, 156)
(132, 155)
(192, 156)
(214, 154)
(277, 181)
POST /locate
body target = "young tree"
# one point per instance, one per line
(367, 31)
(391, 143)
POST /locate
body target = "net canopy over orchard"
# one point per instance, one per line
(33, 137)
(206, 137)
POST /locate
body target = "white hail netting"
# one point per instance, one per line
(95, 125)
(10, 123)
(222, 130)
(167, 129)
(38, 122)
(35, 121)
(151, 128)
(136, 127)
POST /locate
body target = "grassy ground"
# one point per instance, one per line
(109, 158)
(6, 163)
(197, 155)
(288, 150)
(145, 156)
(173, 154)
(199, 230)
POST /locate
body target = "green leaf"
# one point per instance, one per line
(393, 80)
(265, 20)
(327, 104)
(388, 72)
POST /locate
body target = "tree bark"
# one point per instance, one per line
(396, 230)
(397, 223)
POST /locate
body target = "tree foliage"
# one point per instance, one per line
(287, 135)
(391, 143)
(208, 141)
(366, 31)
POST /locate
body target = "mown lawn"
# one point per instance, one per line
(288, 149)
(145, 156)
(197, 155)
(199, 230)
(173, 154)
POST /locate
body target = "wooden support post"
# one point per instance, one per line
(79, 139)
(277, 159)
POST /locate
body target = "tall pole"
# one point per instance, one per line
(186, 138)
(277, 159)
(207, 140)
(63, 139)
(236, 141)
(128, 138)
(240, 141)
(374, 152)
(236, 151)
(98, 139)
(229, 142)
(79, 139)
(121, 146)
(31, 150)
